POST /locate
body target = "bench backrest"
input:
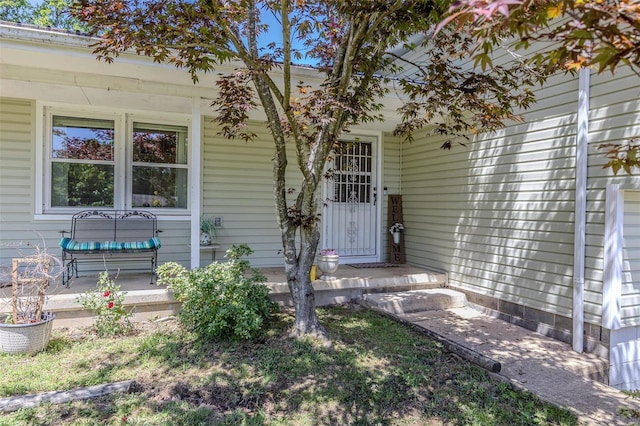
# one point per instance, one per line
(113, 225)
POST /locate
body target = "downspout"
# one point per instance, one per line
(401, 162)
(582, 145)
(195, 186)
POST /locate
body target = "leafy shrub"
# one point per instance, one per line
(222, 300)
(107, 303)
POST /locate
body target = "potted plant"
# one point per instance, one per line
(395, 230)
(27, 328)
(207, 230)
(328, 261)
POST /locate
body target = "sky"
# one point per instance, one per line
(274, 35)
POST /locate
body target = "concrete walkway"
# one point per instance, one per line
(546, 367)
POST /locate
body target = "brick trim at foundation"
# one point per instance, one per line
(559, 327)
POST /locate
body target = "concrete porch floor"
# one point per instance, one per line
(152, 301)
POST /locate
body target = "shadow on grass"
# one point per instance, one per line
(375, 372)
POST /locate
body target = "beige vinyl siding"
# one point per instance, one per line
(498, 213)
(614, 118)
(19, 232)
(16, 178)
(238, 186)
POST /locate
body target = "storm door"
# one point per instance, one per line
(350, 219)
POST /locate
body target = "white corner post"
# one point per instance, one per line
(195, 176)
(582, 147)
(612, 269)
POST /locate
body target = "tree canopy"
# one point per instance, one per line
(585, 33)
(48, 13)
(599, 34)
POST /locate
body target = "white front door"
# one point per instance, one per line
(350, 220)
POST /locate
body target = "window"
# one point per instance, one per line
(92, 162)
(82, 162)
(159, 172)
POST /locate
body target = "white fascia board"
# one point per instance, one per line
(54, 42)
(56, 58)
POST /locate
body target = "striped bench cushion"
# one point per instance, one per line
(72, 245)
(109, 245)
(141, 245)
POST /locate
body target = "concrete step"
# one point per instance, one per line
(355, 283)
(406, 302)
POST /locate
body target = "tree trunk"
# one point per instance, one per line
(301, 218)
(306, 320)
(298, 268)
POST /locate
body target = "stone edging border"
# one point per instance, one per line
(15, 403)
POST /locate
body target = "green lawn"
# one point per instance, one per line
(375, 371)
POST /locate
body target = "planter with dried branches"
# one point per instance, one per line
(28, 327)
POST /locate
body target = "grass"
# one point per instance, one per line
(376, 371)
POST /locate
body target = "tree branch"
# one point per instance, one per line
(286, 38)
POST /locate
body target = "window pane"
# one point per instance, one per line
(159, 144)
(82, 138)
(159, 187)
(81, 185)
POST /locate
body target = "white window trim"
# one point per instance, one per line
(123, 153)
(128, 193)
(118, 159)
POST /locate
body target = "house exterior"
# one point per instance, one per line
(525, 221)
(529, 224)
(51, 83)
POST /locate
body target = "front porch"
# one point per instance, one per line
(150, 301)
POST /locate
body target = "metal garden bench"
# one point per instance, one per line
(106, 235)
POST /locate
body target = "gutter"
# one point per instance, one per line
(37, 34)
(582, 146)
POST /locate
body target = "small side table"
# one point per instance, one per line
(211, 247)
